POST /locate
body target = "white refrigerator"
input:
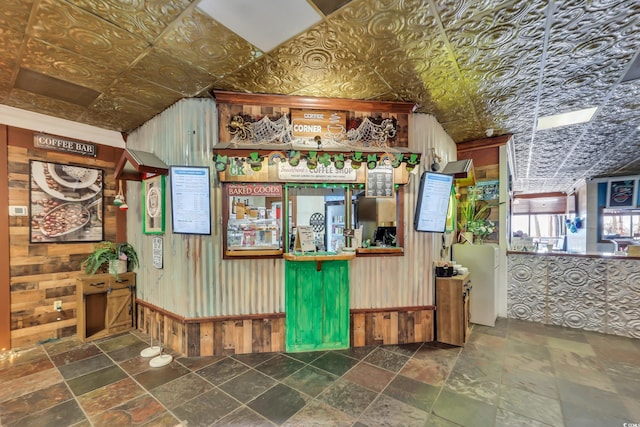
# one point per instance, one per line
(483, 262)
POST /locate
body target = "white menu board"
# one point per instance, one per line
(156, 255)
(190, 199)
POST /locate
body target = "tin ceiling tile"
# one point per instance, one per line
(360, 80)
(15, 14)
(147, 19)
(144, 92)
(308, 61)
(169, 71)
(10, 42)
(66, 65)
(375, 28)
(114, 110)
(264, 75)
(44, 105)
(71, 28)
(202, 42)
(462, 130)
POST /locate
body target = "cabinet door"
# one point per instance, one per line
(317, 305)
(119, 310)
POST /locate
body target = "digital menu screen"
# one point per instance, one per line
(433, 202)
(190, 200)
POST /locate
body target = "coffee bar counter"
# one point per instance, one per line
(591, 291)
(608, 255)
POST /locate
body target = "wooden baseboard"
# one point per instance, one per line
(219, 336)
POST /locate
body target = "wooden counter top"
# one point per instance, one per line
(377, 250)
(310, 256)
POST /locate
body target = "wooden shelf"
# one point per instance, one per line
(452, 309)
(105, 305)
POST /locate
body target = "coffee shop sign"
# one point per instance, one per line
(50, 142)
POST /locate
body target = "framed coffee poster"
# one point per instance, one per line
(153, 201)
(65, 203)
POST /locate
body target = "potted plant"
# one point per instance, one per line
(107, 255)
(473, 220)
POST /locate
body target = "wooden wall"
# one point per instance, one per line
(255, 334)
(41, 273)
(485, 154)
(5, 292)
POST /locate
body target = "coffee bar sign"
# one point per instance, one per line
(310, 124)
(50, 142)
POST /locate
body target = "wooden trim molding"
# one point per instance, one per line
(540, 195)
(337, 104)
(5, 274)
(482, 144)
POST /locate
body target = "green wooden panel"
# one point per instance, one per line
(317, 305)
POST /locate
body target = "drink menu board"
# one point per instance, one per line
(190, 200)
(305, 239)
(433, 202)
(380, 182)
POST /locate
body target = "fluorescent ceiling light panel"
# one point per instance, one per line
(565, 119)
(265, 24)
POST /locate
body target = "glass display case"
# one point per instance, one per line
(253, 223)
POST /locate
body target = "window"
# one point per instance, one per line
(538, 225)
(253, 220)
(324, 208)
(620, 224)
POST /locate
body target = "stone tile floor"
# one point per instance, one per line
(516, 374)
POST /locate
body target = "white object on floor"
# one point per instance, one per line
(159, 361)
(152, 351)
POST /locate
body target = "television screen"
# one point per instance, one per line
(433, 202)
(190, 199)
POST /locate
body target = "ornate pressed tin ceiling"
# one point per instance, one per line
(473, 64)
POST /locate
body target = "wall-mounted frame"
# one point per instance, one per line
(190, 199)
(621, 193)
(66, 203)
(153, 205)
(380, 182)
(486, 190)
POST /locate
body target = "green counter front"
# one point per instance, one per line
(317, 301)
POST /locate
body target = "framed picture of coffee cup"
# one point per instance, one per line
(153, 205)
(65, 203)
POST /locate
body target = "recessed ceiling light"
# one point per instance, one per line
(264, 24)
(565, 119)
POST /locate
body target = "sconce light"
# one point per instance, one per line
(435, 165)
(119, 199)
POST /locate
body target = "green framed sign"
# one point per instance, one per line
(153, 205)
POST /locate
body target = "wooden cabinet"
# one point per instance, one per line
(105, 305)
(452, 309)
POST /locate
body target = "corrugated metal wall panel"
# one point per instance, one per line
(197, 282)
(408, 280)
